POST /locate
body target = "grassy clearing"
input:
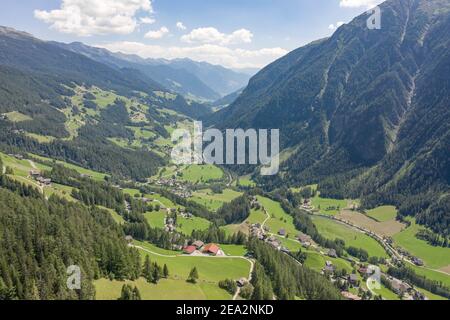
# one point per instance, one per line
(214, 201)
(386, 293)
(256, 216)
(201, 173)
(60, 191)
(246, 181)
(15, 116)
(328, 206)
(210, 269)
(234, 250)
(431, 274)
(382, 214)
(186, 226)
(433, 257)
(166, 289)
(332, 230)
(156, 218)
(93, 174)
(21, 168)
(279, 218)
(316, 261)
(431, 296)
(116, 217)
(40, 138)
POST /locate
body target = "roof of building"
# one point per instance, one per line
(211, 248)
(198, 244)
(189, 249)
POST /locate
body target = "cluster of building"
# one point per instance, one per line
(200, 248)
(169, 225)
(177, 187)
(36, 175)
(405, 254)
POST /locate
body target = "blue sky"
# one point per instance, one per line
(234, 33)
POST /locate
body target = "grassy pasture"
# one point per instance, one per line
(210, 269)
(94, 174)
(201, 173)
(166, 289)
(433, 257)
(385, 228)
(279, 219)
(212, 200)
(328, 206)
(15, 116)
(383, 213)
(186, 226)
(332, 229)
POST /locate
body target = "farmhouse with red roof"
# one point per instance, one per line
(189, 249)
(211, 248)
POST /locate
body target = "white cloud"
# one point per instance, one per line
(215, 54)
(335, 27)
(181, 26)
(211, 35)
(157, 34)
(100, 17)
(360, 3)
(147, 20)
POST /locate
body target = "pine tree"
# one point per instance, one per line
(193, 275)
(166, 271)
(147, 270)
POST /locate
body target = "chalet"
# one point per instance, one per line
(282, 232)
(198, 244)
(353, 279)
(399, 287)
(242, 282)
(332, 253)
(303, 238)
(285, 250)
(329, 269)
(35, 173)
(211, 249)
(18, 156)
(328, 263)
(417, 261)
(129, 239)
(189, 249)
(44, 181)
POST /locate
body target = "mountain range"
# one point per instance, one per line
(195, 80)
(365, 112)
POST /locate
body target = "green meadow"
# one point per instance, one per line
(335, 230)
(279, 219)
(201, 173)
(94, 174)
(166, 289)
(187, 225)
(210, 269)
(433, 257)
(328, 206)
(214, 201)
(383, 213)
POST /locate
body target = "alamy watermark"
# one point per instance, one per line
(374, 20)
(74, 277)
(232, 147)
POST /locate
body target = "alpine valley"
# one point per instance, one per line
(87, 181)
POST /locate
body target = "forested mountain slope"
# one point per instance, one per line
(366, 111)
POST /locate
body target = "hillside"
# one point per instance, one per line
(366, 110)
(61, 104)
(194, 80)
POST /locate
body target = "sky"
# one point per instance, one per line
(233, 33)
